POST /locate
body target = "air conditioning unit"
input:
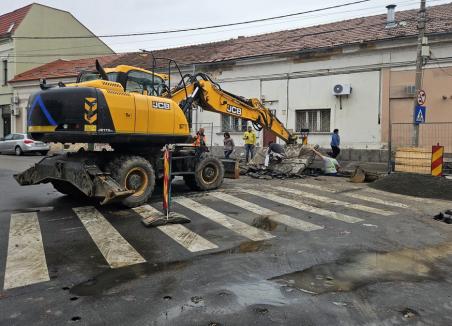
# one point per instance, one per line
(15, 99)
(15, 112)
(342, 89)
(410, 90)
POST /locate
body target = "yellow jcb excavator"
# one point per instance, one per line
(136, 112)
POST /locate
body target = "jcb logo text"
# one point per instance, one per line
(160, 105)
(234, 110)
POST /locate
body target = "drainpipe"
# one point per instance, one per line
(287, 100)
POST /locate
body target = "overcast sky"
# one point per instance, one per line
(119, 16)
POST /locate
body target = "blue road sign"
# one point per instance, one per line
(419, 114)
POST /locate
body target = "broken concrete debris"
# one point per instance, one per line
(297, 159)
(445, 217)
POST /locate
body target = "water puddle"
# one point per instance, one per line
(362, 269)
(111, 278)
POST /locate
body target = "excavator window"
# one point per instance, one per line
(144, 83)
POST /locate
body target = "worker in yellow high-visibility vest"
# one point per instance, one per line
(250, 142)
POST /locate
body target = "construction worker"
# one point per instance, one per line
(335, 143)
(330, 165)
(250, 142)
(200, 142)
(274, 152)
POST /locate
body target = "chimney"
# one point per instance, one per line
(390, 18)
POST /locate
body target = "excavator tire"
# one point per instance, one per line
(67, 189)
(209, 174)
(133, 173)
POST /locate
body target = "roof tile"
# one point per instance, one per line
(13, 18)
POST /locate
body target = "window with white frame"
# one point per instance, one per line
(315, 120)
(232, 124)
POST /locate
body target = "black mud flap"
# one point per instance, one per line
(78, 170)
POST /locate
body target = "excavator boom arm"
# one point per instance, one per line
(211, 97)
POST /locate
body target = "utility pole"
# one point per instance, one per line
(419, 64)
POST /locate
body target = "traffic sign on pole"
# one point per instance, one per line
(421, 97)
(419, 114)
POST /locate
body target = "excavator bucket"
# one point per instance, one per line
(78, 173)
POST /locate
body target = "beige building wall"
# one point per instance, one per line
(23, 54)
(437, 83)
(46, 21)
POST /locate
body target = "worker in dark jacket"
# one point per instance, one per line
(335, 143)
(228, 143)
(274, 152)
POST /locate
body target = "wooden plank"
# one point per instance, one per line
(415, 149)
(413, 155)
(412, 169)
(413, 162)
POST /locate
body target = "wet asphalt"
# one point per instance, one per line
(384, 270)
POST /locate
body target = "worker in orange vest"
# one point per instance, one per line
(200, 142)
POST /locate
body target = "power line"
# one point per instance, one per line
(194, 28)
(405, 3)
(239, 42)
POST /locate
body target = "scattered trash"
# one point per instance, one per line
(343, 304)
(261, 310)
(409, 313)
(445, 217)
(370, 225)
(197, 300)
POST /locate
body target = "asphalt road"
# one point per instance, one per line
(314, 251)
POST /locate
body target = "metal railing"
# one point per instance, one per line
(429, 134)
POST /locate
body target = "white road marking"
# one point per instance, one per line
(304, 207)
(237, 226)
(335, 202)
(359, 196)
(400, 196)
(26, 262)
(179, 233)
(375, 200)
(115, 249)
(272, 215)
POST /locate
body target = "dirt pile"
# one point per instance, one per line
(416, 185)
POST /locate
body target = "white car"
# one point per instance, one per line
(20, 143)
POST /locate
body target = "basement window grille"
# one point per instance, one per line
(315, 120)
(232, 124)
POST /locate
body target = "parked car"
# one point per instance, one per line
(20, 143)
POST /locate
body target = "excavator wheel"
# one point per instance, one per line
(133, 173)
(67, 189)
(209, 174)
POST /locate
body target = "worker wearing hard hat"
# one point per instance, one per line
(250, 142)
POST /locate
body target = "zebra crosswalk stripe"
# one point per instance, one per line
(185, 237)
(335, 202)
(272, 215)
(304, 207)
(360, 196)
(26, 262)
(375, 200)
(115, 249)
(237, 226)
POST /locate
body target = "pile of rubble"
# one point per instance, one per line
(297, 159)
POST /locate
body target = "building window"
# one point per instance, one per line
(314, 120)
(5, 72)
(232, 124)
